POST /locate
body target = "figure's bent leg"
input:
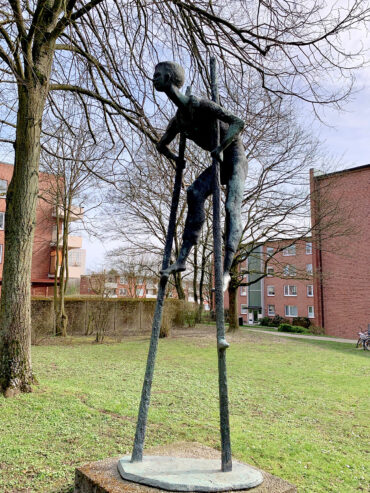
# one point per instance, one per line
(197, 194)
(233, 223)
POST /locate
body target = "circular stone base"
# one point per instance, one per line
(184, 474)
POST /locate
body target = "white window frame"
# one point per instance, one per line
(244, 309)
(312, 314)
(308, 248)
(268, 290)
(139, 292)
(290, 251)
(271, 312)
(288, 309)
(290, 290)
(290, 270)
(310, 290)
(2, 221)
(122, 292)
(243, 290)
(309, 268)
(3, 191)
(270, 272)
(122, 280)
(270, 251)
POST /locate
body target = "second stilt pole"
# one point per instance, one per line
(226, 459)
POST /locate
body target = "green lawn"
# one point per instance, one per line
(299, 409)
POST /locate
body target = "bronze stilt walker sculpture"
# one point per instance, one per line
(198, 120)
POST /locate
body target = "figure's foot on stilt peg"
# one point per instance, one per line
(172, 269)
(226, 281)
(222, 343)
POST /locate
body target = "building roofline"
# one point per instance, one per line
(340, 172)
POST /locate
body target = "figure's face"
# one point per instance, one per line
(161, 79)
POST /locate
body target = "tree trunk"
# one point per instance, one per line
(15, 309)
(179, 286)
(233, 308)
(15, 336)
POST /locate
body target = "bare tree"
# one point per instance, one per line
(74, 159)
(102, 51)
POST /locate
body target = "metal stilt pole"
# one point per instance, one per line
(137, 453)
(226, 459)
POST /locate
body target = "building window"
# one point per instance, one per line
(122, 291)
(289, 251)
(3, 188)
(244, 309)
(270, 290)
(243, 290)
(1, 254)
(74, 258)
(309, 268)
(139, 292)
(2, 220)
(290, 290)
(122, 280)
(291, 311)
(271, 310)
(290, 271)
(311, 313)
(310, 290)
(270, 251)
(270, 271)
(308, 248)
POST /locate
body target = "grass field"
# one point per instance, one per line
(299, 409)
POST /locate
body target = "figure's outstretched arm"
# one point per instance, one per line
(171, 131)
(236, 126)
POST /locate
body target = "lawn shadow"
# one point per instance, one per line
(65, 489)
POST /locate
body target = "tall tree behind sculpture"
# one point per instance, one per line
(76, 47)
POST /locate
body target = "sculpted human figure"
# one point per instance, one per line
(196, 119)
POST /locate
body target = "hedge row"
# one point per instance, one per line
(122, 316)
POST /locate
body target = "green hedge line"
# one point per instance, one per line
(122, 316)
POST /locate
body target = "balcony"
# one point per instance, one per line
(110, 285)
(73, 241)
(76, 213)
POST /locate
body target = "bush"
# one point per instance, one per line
(273, 322)
(296, 329)
(317, 330)
(277, 320)
(301, 321)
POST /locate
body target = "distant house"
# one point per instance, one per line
(287, 289)
(45, 249)
(327, 277)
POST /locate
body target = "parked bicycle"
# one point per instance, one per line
(364, 339)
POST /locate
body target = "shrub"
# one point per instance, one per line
(296, 329)
(165, 327)
(274, 321)
(317, 330)
(301, 321)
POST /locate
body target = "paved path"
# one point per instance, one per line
(301, 336)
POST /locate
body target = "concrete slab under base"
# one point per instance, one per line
(103, 476)
(188, 474)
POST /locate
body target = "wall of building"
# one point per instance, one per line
(291, 280)
(343, 302)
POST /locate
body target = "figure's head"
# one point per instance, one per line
(167, 73)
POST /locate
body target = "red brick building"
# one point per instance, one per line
(342, 303)
(288, 288)
(44, 246)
